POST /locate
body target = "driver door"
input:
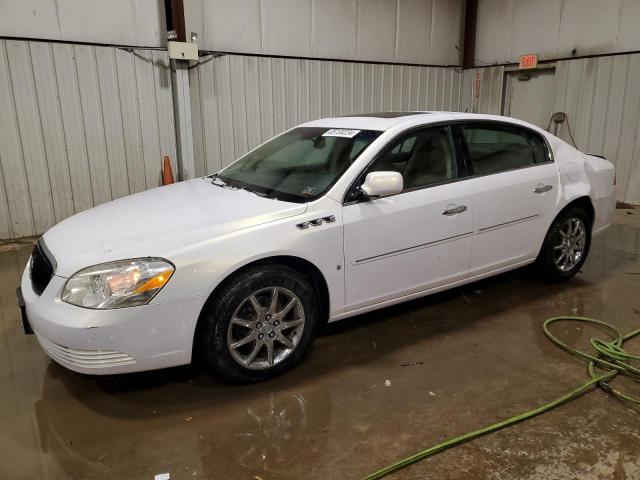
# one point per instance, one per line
(417, 239)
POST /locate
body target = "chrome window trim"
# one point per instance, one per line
(548, 151)
(449, 123)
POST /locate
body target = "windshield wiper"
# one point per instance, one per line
(221, 183)
(260, 194)
(216, 181)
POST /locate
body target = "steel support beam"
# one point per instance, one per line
(174, 13)
(469, 39)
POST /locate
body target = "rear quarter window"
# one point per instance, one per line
(498, 148)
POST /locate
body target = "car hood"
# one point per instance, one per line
(154, 222)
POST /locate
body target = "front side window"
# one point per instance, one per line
(423, 157)
(497, 148)
(299, 165)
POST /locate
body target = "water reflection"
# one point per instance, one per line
(195, 429)
(265, 434)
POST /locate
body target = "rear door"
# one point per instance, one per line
(414, 240)
(515, 188)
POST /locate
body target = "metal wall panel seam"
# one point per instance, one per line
(629, 114)
(73, 125)
(113, 121)
(624, 95)
(95, 180)
(246, 113)
(138, 109)
(216, 97)
(42, 139)
(164, 103)
(100, 105)
(84, 130)
(21, 151)
(605, 122)
(199, 151)
(5, 228)
(593, 94)
(236, 81)
(64, 137)
(159, 160)
(623, 160)
(122, 116)
(632, 178)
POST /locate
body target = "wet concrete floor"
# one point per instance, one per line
(375, 388)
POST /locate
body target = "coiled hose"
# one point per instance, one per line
(610, 359)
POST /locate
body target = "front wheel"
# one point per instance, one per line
(566, 245)
(261, 324)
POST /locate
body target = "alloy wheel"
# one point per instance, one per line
(569, 244)
(265, 328)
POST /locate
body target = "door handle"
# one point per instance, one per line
(541, 188)
(455, 210)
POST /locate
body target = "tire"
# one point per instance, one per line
(247, 299)
(551, 264)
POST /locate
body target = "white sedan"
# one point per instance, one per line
(330, 219)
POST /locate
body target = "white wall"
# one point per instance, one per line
(237, 102)
(80, 125)
(553, 28)
(118, 22)
(402, 31)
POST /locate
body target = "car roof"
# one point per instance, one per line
(385, 121)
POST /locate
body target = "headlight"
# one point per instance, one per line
(124, 283)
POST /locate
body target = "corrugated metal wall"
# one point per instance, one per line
(114, 22)
(240, 101)
(80, 125)
(602, 100)
(488, 97)
(554, 29)
(601, 97)
(425, 32)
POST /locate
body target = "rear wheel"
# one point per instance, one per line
(260, 325)
(566, 245)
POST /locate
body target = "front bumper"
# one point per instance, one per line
(105, 342)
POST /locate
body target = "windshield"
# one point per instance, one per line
(299, 165)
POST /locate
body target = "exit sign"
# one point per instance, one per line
(528, 61)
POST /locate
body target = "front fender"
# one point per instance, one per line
(200, 268)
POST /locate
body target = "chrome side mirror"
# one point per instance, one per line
(380, 184)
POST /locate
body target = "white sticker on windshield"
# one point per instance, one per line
(341, 132)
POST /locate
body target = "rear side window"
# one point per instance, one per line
(497, 148)
(539, 148)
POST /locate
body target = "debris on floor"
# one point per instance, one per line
(624, 206)
(412, 364)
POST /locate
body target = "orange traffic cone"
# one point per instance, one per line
(167, 174)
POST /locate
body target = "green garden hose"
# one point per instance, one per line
(610, 359)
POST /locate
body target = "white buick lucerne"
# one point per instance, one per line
(330, 219)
